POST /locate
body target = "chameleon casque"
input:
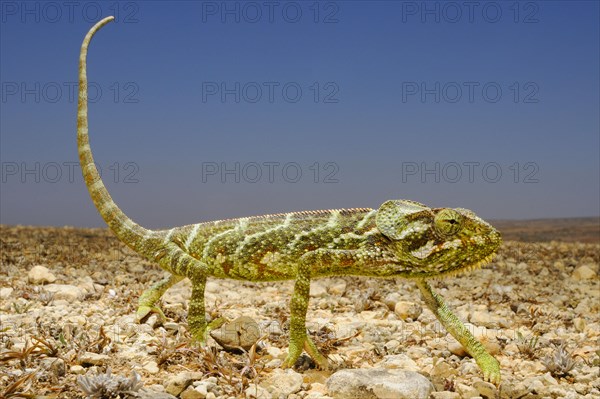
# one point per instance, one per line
(399, 239)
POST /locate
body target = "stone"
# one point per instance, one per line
(512, 390)
(579, 324)
(55, 365)
(585, 378)
(408, 310)
(77, 369)
(584, 273)
(5, 292)
(391, 299)
(179, 382)
(558, 392)
(443, 370)
(191, 393)
(547, 379)
(255, 391)
(202, 389)
(94, 359)
(172, 326)
(213, 286)
(537, 387)
(392, 346)
(456, 348)
(318, 389)
(40, 275)
(146, 393)
(283, 383)
(486, 390)
(69, 293)
(242, 332)
(87, 284)
(466, 391)
(151, 367)
(153, 321)
(400, 361)
(317, 290)
(486, 319)
(378, 383)
(338, 288)
(445, 395)
(528, 367)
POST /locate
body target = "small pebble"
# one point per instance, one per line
(40, 275)
(408, 310)
(584, 273)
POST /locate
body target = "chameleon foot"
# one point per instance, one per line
(289, 362)
(309, 346)
(143, 311)
(200, 330)
(490, 367)
(149, 298)
(290, 359)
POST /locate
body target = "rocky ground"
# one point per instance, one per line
(67, 312)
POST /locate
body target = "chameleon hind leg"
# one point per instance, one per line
(196, 313)
(149, 298)
(299, 339)
(486, 362)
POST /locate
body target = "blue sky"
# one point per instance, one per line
(210, 110)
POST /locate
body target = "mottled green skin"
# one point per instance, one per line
(341, 242)
(400, 239)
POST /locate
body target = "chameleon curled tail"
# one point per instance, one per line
(126, 229)
(151, 244)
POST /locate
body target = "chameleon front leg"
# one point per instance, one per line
(486, 362)
(299, 339)
(149, 298)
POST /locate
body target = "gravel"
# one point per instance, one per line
(68, 299)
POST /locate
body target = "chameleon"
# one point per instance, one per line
(400, 239)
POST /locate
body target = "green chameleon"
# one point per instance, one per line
(400, 239)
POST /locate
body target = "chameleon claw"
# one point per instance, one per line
(143, 312)
(200, 332)
(288, 363)
(215, 324)
(492, 376)
(315, 354)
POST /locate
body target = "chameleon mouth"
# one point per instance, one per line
(465, 269)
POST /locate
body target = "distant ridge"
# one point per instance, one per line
(585, 229)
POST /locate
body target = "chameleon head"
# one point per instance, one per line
(436, 242)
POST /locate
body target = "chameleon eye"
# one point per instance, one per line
(448, 222)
